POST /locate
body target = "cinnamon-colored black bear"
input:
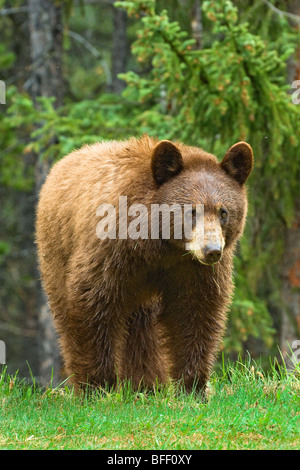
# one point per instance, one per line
(148, 308)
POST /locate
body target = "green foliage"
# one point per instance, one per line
(6, 58)
(249, 316)
(14, 171)
(238, 77)
(54, 133)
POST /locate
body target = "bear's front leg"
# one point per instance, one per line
(89, 341)
(194, 327)
(143, 361)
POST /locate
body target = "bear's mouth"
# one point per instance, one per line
(209, 264)
(198, 255)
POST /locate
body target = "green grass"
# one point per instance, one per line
(246, 409)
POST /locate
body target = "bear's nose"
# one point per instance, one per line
(212, 253)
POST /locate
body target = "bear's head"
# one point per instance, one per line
(207, 198)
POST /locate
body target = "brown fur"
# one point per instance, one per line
(138, 309)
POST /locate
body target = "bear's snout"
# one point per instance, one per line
(212, 253)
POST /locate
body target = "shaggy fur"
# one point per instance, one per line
(140, 309)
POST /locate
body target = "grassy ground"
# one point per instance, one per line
(246, 409)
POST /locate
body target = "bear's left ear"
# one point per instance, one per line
(238, 162)
(166, 162)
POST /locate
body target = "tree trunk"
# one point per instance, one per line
(196, 23)
(18, 312)
(119, 48)
(45, 27)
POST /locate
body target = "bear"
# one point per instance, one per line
(147, 309)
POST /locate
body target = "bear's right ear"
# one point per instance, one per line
(166, 162)
(238, 162)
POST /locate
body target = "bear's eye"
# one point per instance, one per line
(223, 214)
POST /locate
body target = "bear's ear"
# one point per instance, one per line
(238, 162)
(166, 162)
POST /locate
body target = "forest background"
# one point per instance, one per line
(204, 72)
